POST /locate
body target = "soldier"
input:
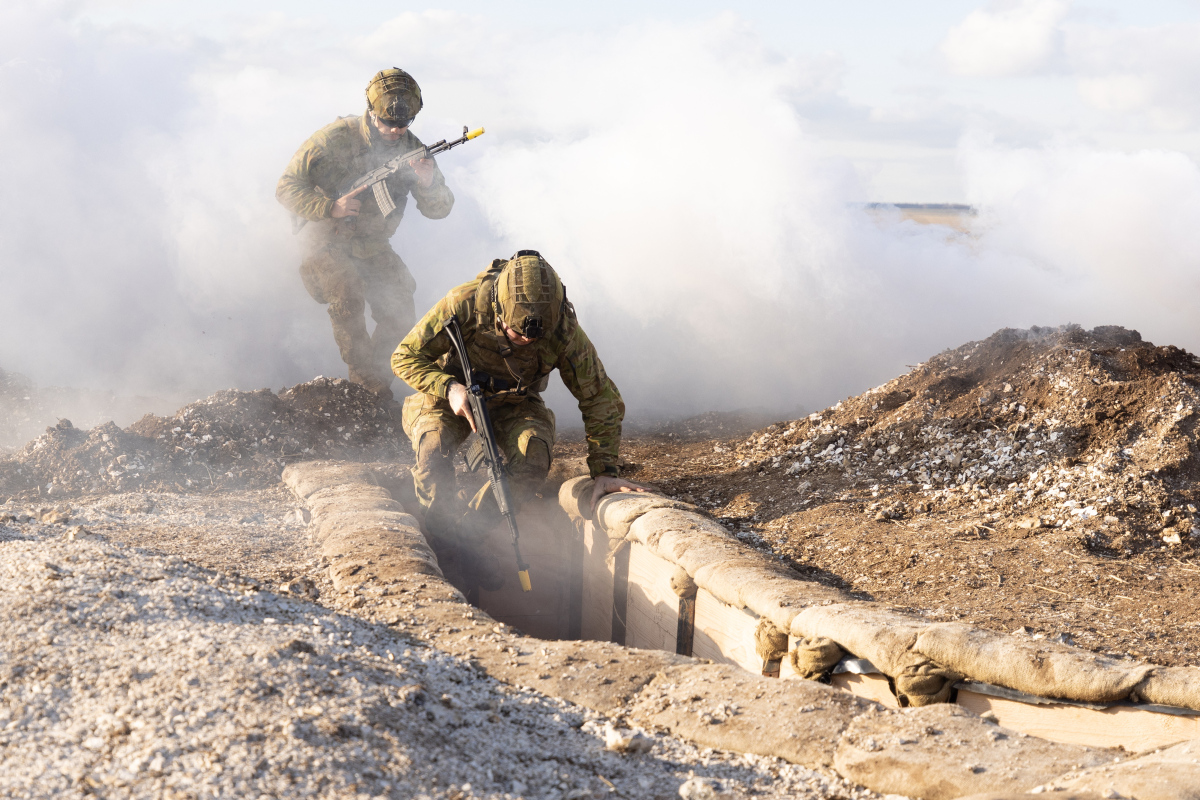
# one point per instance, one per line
(348, 259)
(518, 327)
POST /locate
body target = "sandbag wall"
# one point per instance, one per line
(382, 569)
(658, 574)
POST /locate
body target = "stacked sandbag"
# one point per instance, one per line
(1035, 666)
(1169, 686)
(362, 531)
(885, 638)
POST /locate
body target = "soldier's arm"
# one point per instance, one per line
(297, 188)
(599, 402)
(415, 358)
(435, 200)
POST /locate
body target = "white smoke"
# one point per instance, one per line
(1007, 37)
(715, 256)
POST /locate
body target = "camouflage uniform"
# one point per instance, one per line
(349, 262)
(524, 426)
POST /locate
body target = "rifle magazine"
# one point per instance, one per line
(383, 198)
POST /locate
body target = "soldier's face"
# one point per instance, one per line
(515, 337)
(390, 133)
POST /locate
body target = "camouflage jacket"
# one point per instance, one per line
(337, 155)
(424, 361)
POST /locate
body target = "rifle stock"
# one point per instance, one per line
(491, 448)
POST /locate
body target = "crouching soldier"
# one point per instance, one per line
(518, 327)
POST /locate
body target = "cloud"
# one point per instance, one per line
(1147, 73)
(1007, 38)
(1147, 76)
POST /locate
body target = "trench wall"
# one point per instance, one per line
(675, 580)
(679, 622)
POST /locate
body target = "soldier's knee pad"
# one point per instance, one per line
(347, 308)
(534, 463)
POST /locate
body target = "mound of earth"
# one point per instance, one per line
(1044, 480)
(232, 439)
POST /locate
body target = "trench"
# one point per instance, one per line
(673, 618)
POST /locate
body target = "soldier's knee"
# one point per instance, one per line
(347, 308)
(432, 450)
(534, 463)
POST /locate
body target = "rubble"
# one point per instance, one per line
(231, 439)
(1060, 428)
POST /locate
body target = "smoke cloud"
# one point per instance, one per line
(714, 255)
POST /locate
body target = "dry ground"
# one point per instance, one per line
(1041, 480)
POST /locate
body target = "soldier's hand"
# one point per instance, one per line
(424, 168)
(607, 484)
(456, 395)
(346, 205)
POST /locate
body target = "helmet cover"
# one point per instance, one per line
(529, 295)
(394, 96)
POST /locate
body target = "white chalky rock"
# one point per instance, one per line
(620, 740)
(706, 789)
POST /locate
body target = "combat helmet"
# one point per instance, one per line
(394, 97)
(528, 296)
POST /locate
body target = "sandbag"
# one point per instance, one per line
(770, 643)
(812, 658)
(311, 476)
(682, 584)
(616, 512)
(1046, 669)
(1169, 686)
(885, 638)
(925, 684)
(575, 498)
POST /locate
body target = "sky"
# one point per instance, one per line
(696, 172)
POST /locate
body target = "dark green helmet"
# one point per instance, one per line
(529, 296)
(394, 97)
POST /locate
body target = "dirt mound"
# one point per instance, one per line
(1045, 480)
(232, 439)
(1093, 429)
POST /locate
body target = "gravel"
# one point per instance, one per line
(131, 673)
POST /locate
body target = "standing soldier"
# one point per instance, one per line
(348, 259)
(518, 327)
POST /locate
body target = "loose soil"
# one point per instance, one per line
(1042, 482)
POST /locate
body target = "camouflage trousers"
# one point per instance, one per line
(347, 284)
(454, 516)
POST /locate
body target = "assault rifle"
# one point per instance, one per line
(491, 449)
(376, 177)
